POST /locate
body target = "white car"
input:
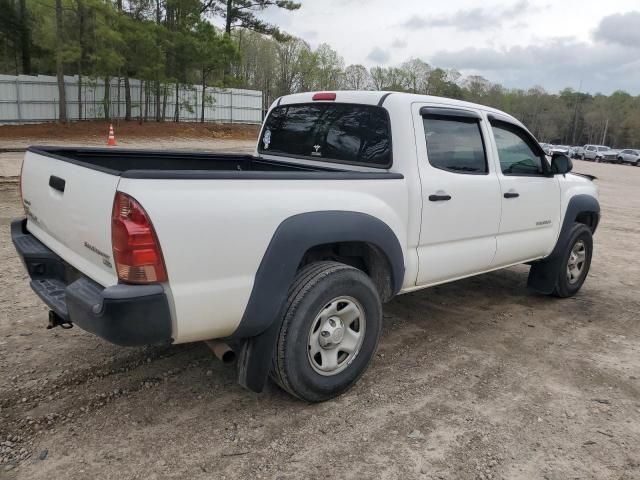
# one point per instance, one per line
(546, 147)
(287, 255)
(560, 149)
(594, 153)
(630, 156)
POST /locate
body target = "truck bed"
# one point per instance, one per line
(163, 164)
(118, 161)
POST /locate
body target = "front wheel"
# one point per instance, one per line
(575, 262)
(329, 333)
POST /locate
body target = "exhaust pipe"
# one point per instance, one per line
(221, 350)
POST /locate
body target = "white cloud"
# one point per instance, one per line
(478, 18)
(519, 43)
(623, 29)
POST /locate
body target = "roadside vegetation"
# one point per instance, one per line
(169, 43)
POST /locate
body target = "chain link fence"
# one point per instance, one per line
(34, 99)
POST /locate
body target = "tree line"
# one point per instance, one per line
(169, 43)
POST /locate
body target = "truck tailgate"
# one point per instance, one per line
(69, 210)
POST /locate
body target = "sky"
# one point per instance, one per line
(589, 45)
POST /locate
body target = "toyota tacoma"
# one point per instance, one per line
(286, 256)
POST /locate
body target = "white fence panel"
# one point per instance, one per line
(33, 99)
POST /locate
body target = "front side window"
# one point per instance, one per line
(455, 144)
(334, 132)
(515, 151)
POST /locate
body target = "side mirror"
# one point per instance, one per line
(561, 164)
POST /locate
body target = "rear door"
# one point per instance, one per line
(69, 210)
(460, 194)
(530, 196)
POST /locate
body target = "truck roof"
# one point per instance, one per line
(387, 98)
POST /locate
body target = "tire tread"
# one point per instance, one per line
(305, 280)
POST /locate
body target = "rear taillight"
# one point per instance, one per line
(136, 250)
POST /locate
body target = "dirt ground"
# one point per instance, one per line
(478, 379)
(96, 132)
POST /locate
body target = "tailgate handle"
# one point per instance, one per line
(57, 183)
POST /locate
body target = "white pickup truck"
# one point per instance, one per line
(286, 255)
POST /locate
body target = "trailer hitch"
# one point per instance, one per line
(56, 320)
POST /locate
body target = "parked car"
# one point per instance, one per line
(286, 256)
(593, 152)
(563, 149)
(609, 156)
(632, 157)
(546, 147)
(576, 152)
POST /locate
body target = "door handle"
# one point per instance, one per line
(511, 195)
(57, 183)
(439, 198)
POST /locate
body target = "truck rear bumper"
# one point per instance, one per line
(122, 314)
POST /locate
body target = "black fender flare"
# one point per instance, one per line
(543, 274)
(259, 326)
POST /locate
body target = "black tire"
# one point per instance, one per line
(314, 287)
(564, 288)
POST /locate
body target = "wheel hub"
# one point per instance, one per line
(331, 333)
(575, 264)
(336, 335)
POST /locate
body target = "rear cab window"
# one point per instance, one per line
(353, 134)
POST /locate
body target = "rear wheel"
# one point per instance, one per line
(329, 333)
(575, 262)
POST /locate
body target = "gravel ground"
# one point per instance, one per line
(94, 133)
(478, 379)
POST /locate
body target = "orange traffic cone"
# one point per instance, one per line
(111, 141)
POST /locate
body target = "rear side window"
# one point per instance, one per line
(333, 132)
(455, 144)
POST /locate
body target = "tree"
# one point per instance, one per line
(477, 87)
(330, 67)
(356, 77)
(416, 74)
(25, 36)
(243, 14)
(213, 53)
(62, 97)
(289, 63)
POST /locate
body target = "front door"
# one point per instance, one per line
(530, 196)
(460, 194)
